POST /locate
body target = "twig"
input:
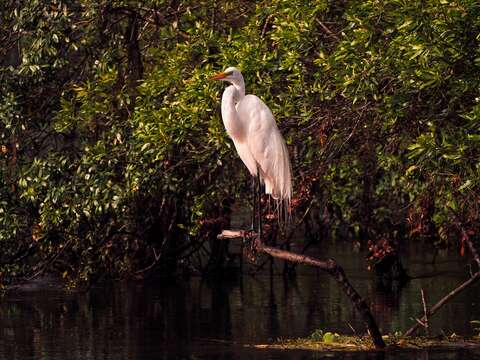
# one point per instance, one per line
(465, 238)
(44, 266)
(472, 249)
(425, 312)
(265, 25)
(443, 301)
(156, 257)
(353, 329)
(420, 322)
(327, 30)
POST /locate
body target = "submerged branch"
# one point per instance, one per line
(330, 266)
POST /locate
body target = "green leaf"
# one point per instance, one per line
(329, 337)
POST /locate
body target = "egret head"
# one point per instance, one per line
(230, 74)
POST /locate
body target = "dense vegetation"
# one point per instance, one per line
(114, 160)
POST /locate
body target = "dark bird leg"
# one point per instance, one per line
(248, 243)
(254, 203)
(259, 198)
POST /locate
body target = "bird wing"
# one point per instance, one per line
(266, 145)
(246, 156)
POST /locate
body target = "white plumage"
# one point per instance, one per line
(252, 127)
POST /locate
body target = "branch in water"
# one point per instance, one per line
(465, 238)
(330, 266)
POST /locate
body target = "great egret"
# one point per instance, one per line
(252, 127)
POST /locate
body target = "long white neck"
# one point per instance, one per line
(231, 96)
(240, 87)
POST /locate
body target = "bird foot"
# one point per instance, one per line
(250, 243)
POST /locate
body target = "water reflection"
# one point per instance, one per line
(212, 319)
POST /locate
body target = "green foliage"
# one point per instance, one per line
(364, 343)
(317, 335)
(329, 337)
(326, 337)
(113, 155)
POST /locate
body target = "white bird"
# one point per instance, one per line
(259, 143)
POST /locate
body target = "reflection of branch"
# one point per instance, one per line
(330, 266)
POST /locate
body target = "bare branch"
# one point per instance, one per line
(464, 238)
(330, 266)
(443, 301)
(425, 312)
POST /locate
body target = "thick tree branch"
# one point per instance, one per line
(330, 266)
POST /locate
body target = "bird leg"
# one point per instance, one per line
(259, 206)
(254, 203)
(249, 241)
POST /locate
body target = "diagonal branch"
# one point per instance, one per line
(443, 301)
(464, 238)
(330, 266)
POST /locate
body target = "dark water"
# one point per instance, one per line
(212, 319)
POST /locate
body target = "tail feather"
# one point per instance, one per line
(278, 178)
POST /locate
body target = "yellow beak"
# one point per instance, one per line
(218, 76)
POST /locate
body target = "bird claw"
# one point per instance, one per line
(250, 246)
